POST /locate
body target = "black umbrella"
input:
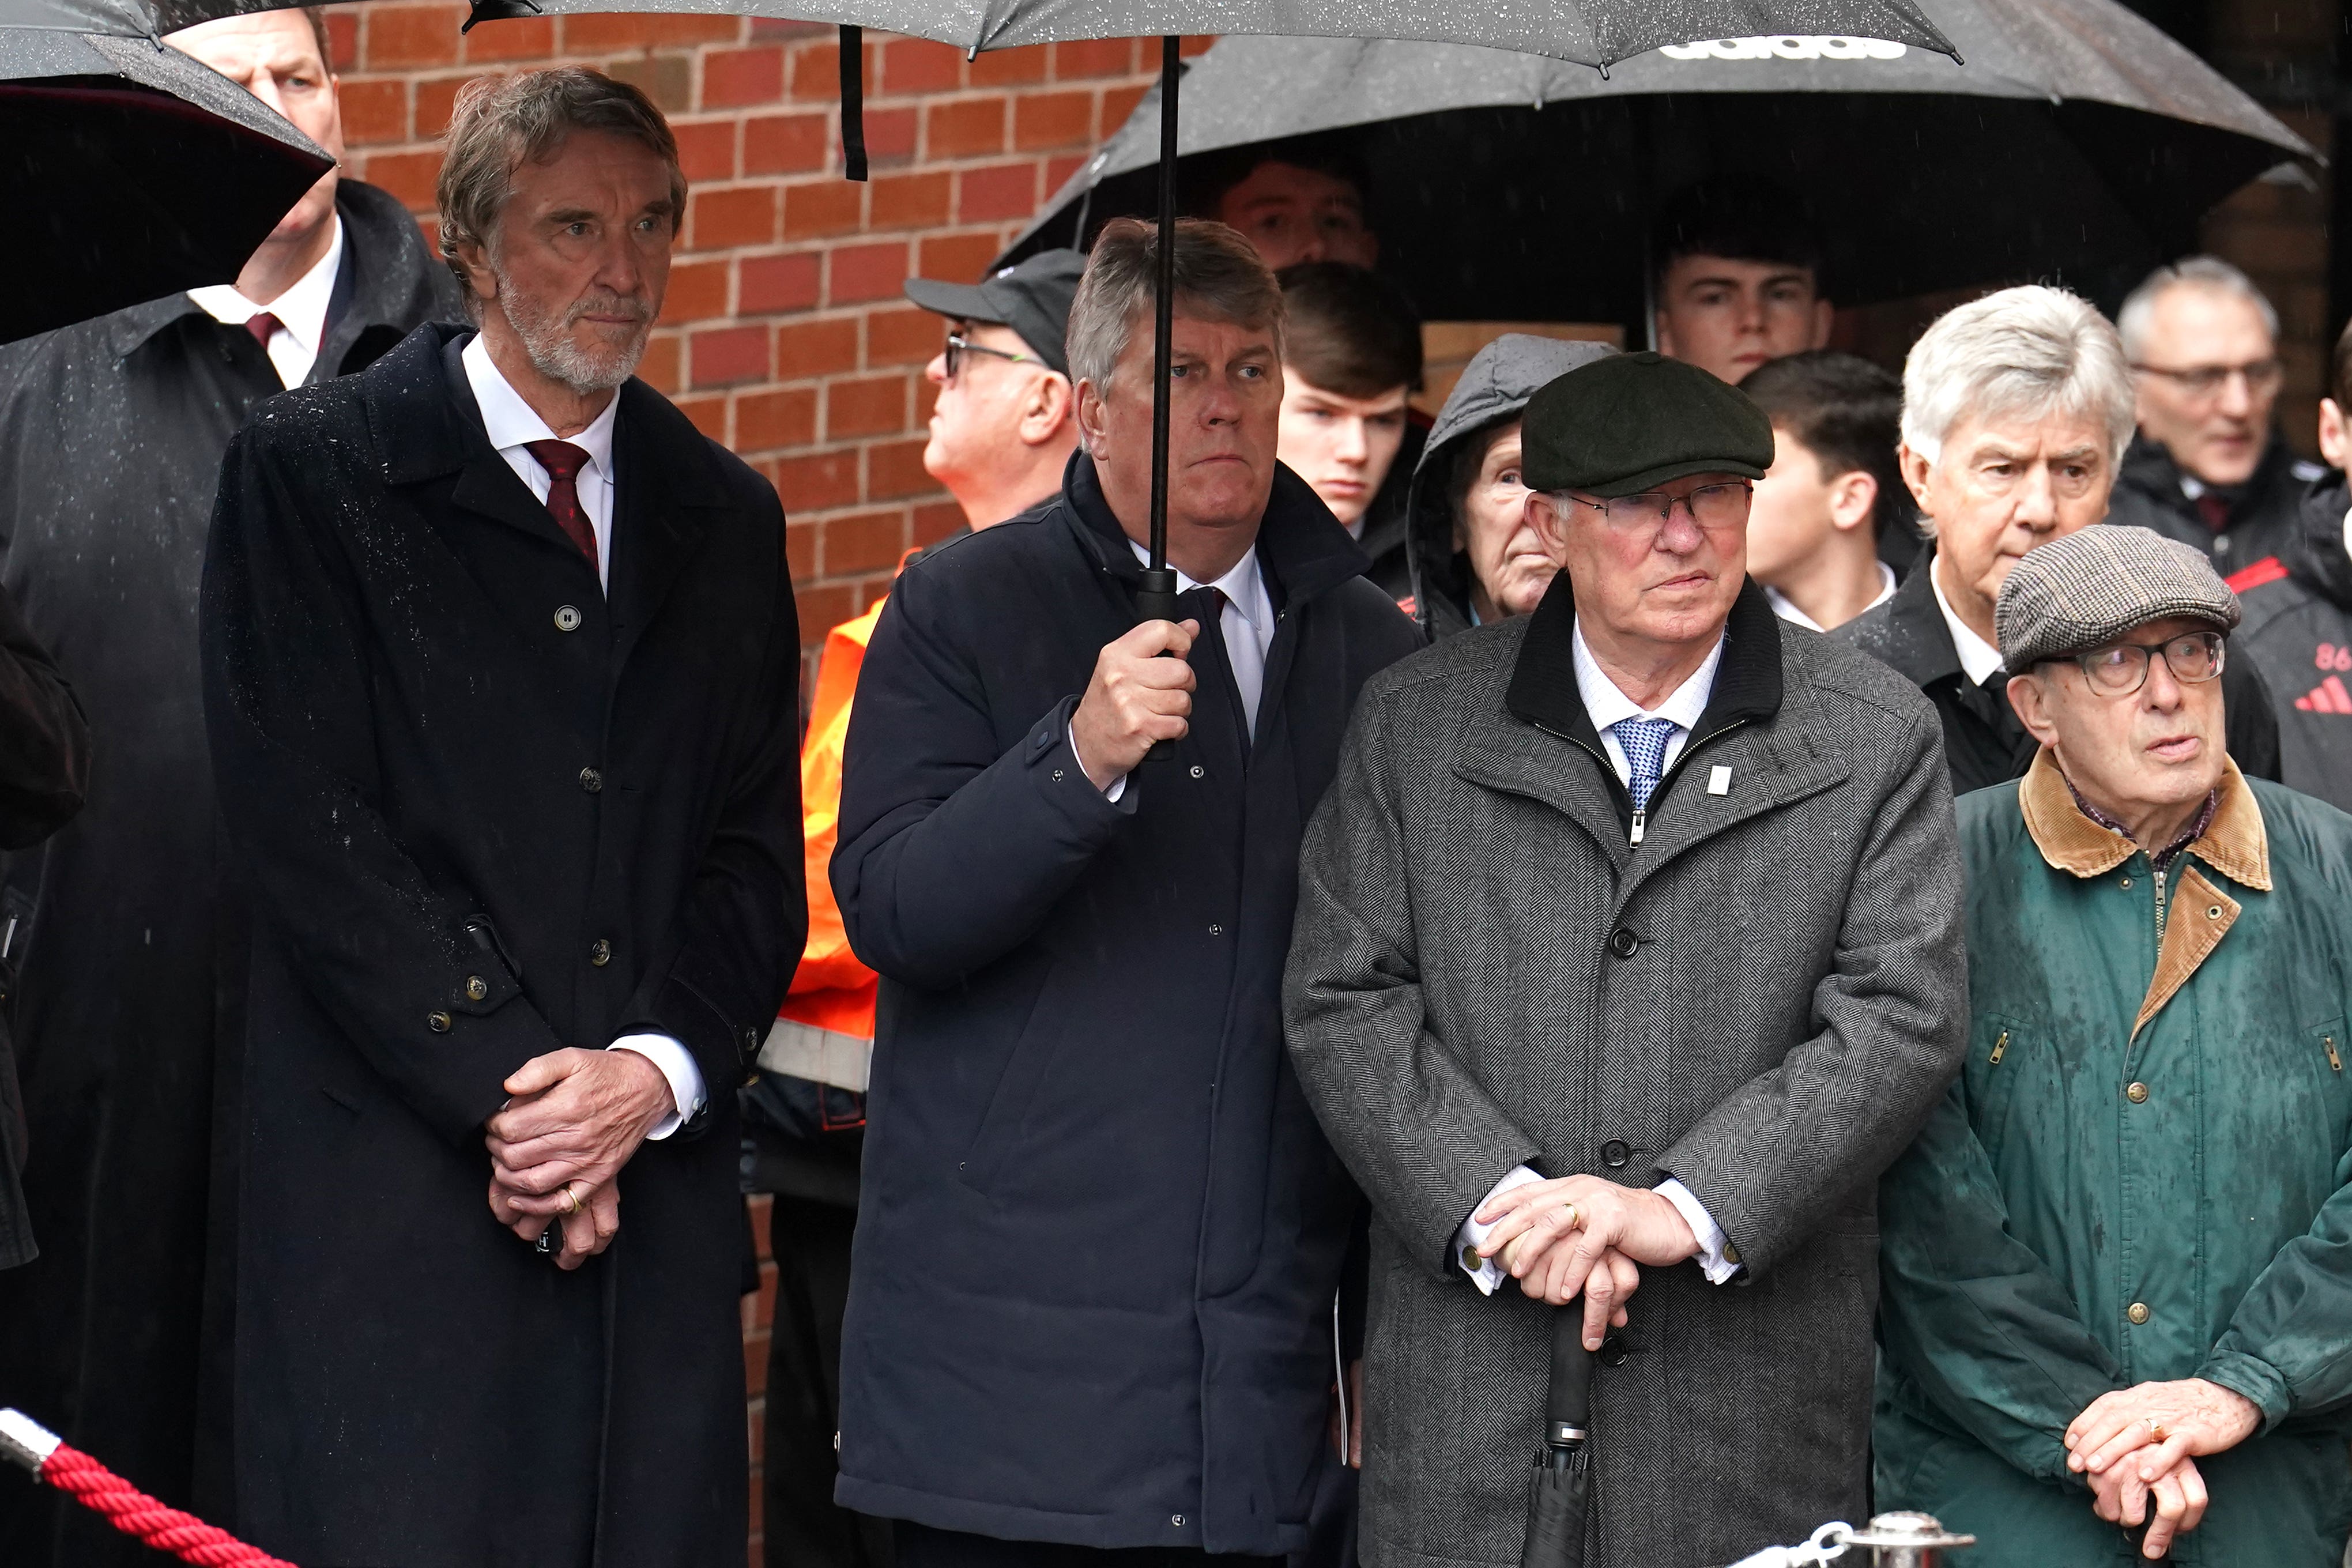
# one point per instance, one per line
(1563, 1473)
(1590, 33)
(2075, 138)
(139, 171)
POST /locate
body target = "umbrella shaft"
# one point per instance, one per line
(1164, 322)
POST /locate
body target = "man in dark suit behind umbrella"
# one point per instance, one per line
(1090, 1303)
(110, 441)
(500, 665)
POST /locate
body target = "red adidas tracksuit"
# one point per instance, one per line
(2298, 632)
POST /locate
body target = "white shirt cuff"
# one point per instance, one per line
(1111, 790)
(1716, 1258)
(677, 1064)
(1486, 1273)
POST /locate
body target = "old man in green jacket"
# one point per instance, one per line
(2117, 1312)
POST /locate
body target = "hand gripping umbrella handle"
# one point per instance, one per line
(1558, 1491)
(25, 1442)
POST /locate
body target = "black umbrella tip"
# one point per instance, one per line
(497, 11)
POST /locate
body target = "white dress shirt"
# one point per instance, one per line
(1786, 607)
(510, 422)
(301, 311)
(1979, 659)
(1247, 627)
(1607, 707)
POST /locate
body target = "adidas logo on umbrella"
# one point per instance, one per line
(2327, 696)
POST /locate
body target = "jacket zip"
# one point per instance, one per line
(1641, 817)
(2334, 1060)
(2159, 910)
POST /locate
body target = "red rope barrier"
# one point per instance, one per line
(128, 1509)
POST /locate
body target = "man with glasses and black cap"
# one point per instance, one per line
(1710, 857)
(2117, 1281)
(1001, 431)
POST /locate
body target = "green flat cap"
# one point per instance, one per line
(1630, 422)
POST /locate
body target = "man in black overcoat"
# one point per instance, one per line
(500, 667)
(1090, 1297)
(110, 440)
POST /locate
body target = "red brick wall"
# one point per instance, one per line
(786, 336)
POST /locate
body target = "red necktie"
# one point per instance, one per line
(564, 462)
(264, 326)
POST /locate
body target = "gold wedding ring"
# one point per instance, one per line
(1569, 1223)
(571, 1199)
(2156, 1432)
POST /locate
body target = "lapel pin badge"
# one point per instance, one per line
(1718, 780)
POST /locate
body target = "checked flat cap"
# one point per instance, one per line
(1630, 422)
(2097, 585)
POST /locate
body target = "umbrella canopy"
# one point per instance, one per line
(140, 171)
(2075, 138)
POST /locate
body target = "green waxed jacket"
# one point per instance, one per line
(2140, 1175)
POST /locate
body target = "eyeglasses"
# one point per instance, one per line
(1710, 506)
(959, 345)
(2119, 669)
(2202, 380)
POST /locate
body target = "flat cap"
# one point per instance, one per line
(2097, 585)
(1630, 422)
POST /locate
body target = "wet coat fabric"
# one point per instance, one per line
(2141, 1175)
(1099, 1231)
(2298, 632)
(43, 773)
(110, 440)
(1984, 743)
(1485, 972)
(489, 810)
(2261, 513)
(1494, 386)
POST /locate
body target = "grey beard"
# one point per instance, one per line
(547, 341)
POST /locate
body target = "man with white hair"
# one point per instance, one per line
(2209, 467)
(500, 674)
(2016, 409)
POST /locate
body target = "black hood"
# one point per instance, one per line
(2319, 555)
(1494, 386)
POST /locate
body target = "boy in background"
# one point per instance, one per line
(1832, 500)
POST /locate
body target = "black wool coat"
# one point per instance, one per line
(110, 440)
(1099, 1233)
(477, 836)
(2258, 522)
(1984, 743)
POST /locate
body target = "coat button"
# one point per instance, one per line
(2136, 1311)
(1623, 943)
(1216, 930)
(599, 952)
(1199, 772)
(2126, 884)
(477, 987)
(1614, 1153)
(591, 780)
(1611, 1351)
(567, 618)
(2136, 1092)
(437, 1021)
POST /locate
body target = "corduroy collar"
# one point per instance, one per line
(2234, 843)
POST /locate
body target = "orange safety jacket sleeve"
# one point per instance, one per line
(831, 990)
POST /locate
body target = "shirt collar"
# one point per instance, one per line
(1244, 588)
(510, 422)
(1979, 659)
(1606, 705)
(301, 310)
(1786, 607)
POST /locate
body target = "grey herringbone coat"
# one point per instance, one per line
(1762, 999)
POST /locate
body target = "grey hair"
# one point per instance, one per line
(2029, 352)
(499, 123)
(1217, 271)
(2208, 273)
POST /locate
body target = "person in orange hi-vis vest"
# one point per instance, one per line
(1001, 431)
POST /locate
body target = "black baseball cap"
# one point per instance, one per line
(1033, 299)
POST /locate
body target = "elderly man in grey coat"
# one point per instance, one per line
(1628, 954)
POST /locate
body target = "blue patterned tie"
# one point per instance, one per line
(1644, 741)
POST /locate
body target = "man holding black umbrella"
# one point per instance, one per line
(1548, 837)
(1090, 1301)
(111, 434)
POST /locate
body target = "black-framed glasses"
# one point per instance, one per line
(2119, 669)
(959, 345)
(1710, 506)
(2263, 376)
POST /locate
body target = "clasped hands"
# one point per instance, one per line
(2140, 1445)
(573, 1119)
(1580, 1234)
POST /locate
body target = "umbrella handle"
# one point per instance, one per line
(1568, 1403)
